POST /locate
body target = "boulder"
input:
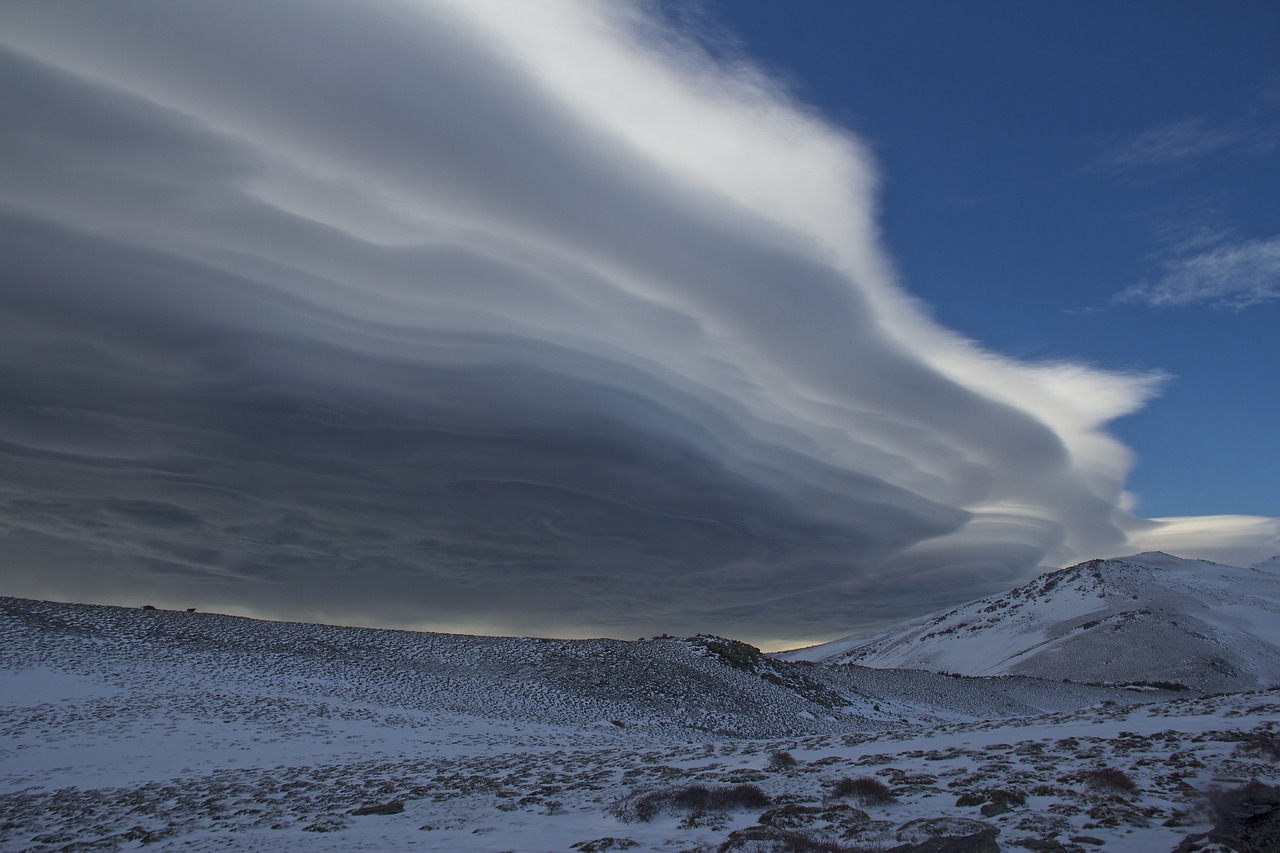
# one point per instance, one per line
(393, 807)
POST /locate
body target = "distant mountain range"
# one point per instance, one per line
(1151, 618)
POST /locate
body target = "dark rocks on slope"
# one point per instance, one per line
(978, 842)
(1247, 818)
(393, 807)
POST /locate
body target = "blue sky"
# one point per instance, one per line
(1038, 159)
(775, 320)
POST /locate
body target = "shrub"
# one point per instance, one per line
(1261, 744)
(1109, 779)
(739, 797)
(644, 804)
(641, 805)
(866, 790)
(690, 798)
(1007, 797)
(781, 760)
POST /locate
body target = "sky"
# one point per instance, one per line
(580, 318)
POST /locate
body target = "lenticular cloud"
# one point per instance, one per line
(496, 316)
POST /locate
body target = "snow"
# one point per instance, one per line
(200, 732)
(40, 685)
(1201, 624)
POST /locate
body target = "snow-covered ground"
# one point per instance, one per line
(125, 728)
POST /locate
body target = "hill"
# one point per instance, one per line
(206, 665)
(122, 728)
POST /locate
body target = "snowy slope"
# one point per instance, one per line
(122, 729)
(663, 687)
(1146, 618)
(1271, 566)
(206, 666)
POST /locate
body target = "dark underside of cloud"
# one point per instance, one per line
(149, 452)
(391, 321)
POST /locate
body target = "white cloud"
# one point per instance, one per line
(1173, 144)
(1236, 540)
(499, 313)
(1230, 276)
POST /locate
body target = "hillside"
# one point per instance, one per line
(122, 728)
(666, 688)
(1149, 618)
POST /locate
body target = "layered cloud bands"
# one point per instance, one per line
(489, 316)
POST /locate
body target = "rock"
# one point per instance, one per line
(1247, 818)
(993, 809)
(142, 835)
(1042, 845)
(601, 844)
(979, 842)
(923, 829)
(794, 816)
(393, 807)
(759, 839)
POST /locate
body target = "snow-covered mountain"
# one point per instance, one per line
(1150, 618)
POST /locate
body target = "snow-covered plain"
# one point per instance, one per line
(127, 728)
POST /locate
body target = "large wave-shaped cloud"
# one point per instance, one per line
(495, 316)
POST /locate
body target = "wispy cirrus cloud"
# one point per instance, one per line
(1234, 276)
(1203, 261)
(1174, 144)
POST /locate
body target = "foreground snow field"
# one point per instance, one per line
(129, 728)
